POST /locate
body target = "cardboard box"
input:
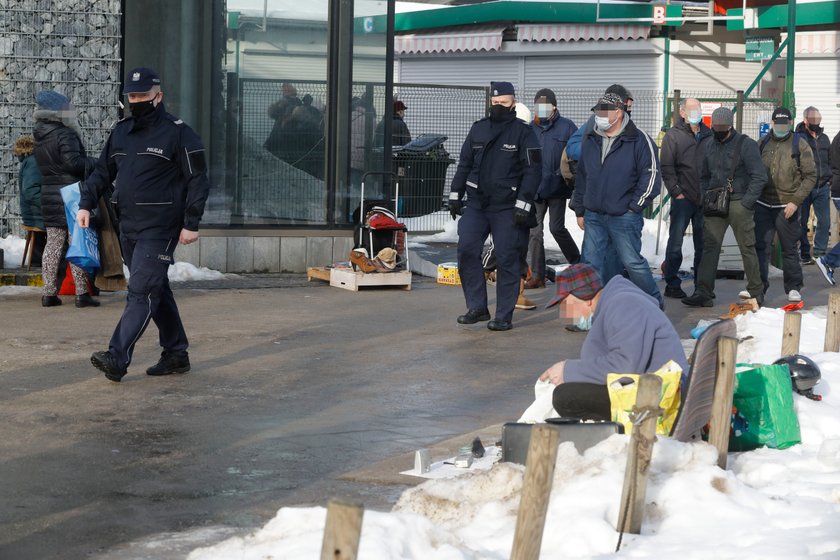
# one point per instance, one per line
(447, 273)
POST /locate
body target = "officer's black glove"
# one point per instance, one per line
(522, 215)
(456, 208)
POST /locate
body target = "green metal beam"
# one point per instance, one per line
(815, 13)
(505, 10)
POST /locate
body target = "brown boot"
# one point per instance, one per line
(534, 283)
(522, 302)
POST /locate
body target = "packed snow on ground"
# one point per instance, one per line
(769, 504)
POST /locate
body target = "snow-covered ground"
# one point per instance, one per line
(769, 504)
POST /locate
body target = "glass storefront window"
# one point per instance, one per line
(274, 171)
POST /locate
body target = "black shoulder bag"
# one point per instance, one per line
(716, 199)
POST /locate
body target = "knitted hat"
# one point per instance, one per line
(51, 100)
(548, 94)
(722, 115)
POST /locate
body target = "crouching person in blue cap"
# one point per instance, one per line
(159, 168)
(493, 191)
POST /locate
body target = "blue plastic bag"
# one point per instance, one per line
(84, 242)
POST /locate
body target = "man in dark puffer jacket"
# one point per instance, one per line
(62, 161)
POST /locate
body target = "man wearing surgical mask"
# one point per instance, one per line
(553, 132)
(681, 158)
(811, 131)
(617, 178)
(791, 175)
(627, 333)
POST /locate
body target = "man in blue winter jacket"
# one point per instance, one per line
(617, 178)
(628, 333)
(499, 170)
(553, 132)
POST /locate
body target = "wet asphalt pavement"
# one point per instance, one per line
(292, 385)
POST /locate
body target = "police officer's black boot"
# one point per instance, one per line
(498, 325)
(169, 363)
(473, 316)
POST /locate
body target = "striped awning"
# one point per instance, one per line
(473, 38)
(535, 33)
(823, 42)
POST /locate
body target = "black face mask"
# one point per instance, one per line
(815, 128)
(500, 113)
(142, 108)
(720, 135)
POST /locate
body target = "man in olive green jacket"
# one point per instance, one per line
(791, 174)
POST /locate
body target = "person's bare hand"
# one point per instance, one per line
(554, 373)
(580, 222)
(188, 237)
(83, 218)
(790, 210)
(680, 196)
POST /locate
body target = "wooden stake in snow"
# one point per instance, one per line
(832, 323)
(727, 349)
(790, 334)
(342, 531)
(639, 454)
(536, 490)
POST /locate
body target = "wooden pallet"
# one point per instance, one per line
(318, 272)
(349, 280)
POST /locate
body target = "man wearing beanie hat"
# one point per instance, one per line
(628, 333)
(498, 173)
(746, 182)
(617, 178)
(159, 168)
(553, 132)
(791, 175)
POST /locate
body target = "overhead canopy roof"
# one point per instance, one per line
(538, 33)
(471, 38)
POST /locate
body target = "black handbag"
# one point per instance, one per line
(716, 199)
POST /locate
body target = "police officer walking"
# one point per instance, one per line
(159, 167)
(498, 172)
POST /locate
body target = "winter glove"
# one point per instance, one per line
(522, 214)
(456, 208)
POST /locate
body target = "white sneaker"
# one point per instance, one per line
(794, 296)
(744, 294)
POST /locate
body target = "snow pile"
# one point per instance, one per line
(777, 504)
(12, 250)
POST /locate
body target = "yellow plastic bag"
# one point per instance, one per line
(623, 386)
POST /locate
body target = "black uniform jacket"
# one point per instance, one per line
(158, 167)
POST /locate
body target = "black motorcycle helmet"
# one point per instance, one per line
(804, 374)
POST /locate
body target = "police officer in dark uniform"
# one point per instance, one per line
(499, 171)
(158, 166)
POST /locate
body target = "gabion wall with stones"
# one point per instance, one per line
(72, 46)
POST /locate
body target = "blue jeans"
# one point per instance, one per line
(820, 198)
(624, 234)
(683, 212)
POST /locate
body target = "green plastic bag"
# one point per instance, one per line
(762, 408)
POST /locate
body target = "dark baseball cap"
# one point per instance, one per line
(501, 88)
(781, 115)
(141, 80)
(580, 280)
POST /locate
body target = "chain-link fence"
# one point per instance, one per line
(71, 46)
(279, 162)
